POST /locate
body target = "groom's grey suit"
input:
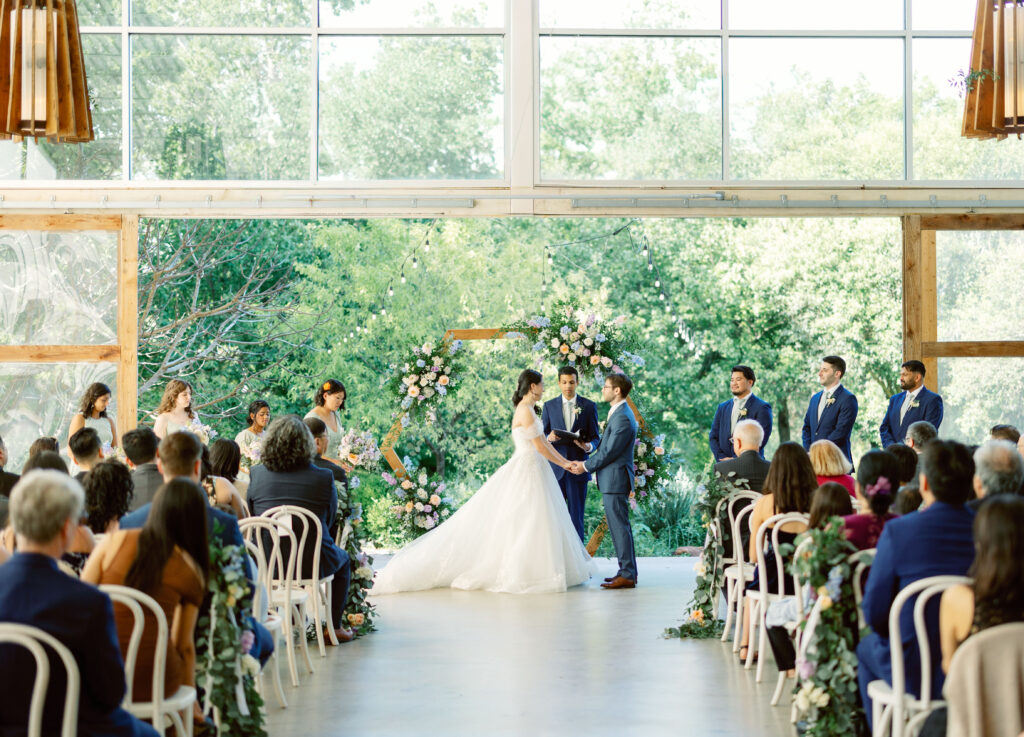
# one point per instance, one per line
(612, 465)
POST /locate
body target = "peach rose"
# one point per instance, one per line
(356, 619)
(407, 484)
(594, 360)
(414, 390)
(659, 451)
(443, 380)
(563, 349)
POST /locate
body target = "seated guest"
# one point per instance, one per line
(907, 459)
(7, 479)
(934, 542)
(220, 491)
(169, 559)
(748, 469)
(45, 508)
(226, 462)
(319, 430)
(1005, 432)
(287, 476)
(47, 460)
(831, 465)
(908, 499)
(788, 488)
(998, 469)
(140, 447)
(38, 446)
(920, 433)
(86, 450)
(876, 491)
(108, 495)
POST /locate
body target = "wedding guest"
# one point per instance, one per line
(330, 397)
(319, 432)
(47, 460)
(175, 412)
(45, 508)
(574, 413)
(92, 412)
(919, 433)
(907, 459)
(788, 488)
(169, 559)
(744, 405)
(39, 445)
(140, 447)
(7, 479)
(908, 499)
(831, 412)
(998, 469)
(258, 417)
(830, 465)
(108, 495)
(748, 468)
(911, 405)
(937, 541)
(876, 491)
(86, 450)
(287, 476)
(226, 462)
(220, 491)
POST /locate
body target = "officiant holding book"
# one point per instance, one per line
(570, 422)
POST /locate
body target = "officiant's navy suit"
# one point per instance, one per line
(929, 408)
(612, 464)
(574, 488)
(720, 436)
(836, 422)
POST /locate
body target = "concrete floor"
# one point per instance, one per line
(587, 662)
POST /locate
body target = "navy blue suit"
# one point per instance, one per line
(836, 423)
(311, 488)
(574, 488)
(937, 541)
(929, 408)
(720, 437)
(34, 591)
(612, 464)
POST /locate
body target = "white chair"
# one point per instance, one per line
(760, 599)
(319, 589)
(33, 639)
(281, 573)
(178, 707)
(272, 622)
(861, 561)
(892, 706)
(736, 576)
(797, 636)
(813, 618)
(716, 528)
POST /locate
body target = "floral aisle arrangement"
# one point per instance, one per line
(425, 378)
(572, 336)
(224, 669)
(359, 612)
(420, 502)
(826, 693)
(700, 621)
(652, 465)
(360, 451)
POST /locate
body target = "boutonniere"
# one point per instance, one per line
(576, 412)
(914, 403)
(743, 412)
(830, 402)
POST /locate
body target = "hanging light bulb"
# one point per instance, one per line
(351, 335)
(391, 291)
(426, 245)
(657, 283)
(403, 277)
(415, 263)
(383, 312)
(662, 296)
(650, 266)
(551, 260)
(373, 315)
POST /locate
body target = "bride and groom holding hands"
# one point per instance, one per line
(522, 531)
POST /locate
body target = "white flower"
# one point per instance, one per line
(819, 697)
(364, 572)
(555, 342)
(802, 703)
(418, 506)
(700, 568)
(571, 356)
(428, 392)
(588, 342)
(641, 449)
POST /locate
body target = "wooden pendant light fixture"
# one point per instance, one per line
(994, 106)
(43, 91)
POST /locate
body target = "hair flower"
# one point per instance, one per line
(327, 386)
(881, 486)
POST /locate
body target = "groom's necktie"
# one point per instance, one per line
(907, 402)
(567, 417)
(823, 403)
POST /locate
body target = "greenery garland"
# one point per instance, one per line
(826, 696)
(359, 613)
(228, 673)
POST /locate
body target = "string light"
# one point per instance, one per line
(426, 245)
(415, 263)
(403, 277)
(391, 291)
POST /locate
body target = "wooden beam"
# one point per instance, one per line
(60, 222)
(972, 222)
(59, 353)
(128, 324)
(913, 323)
(973, 349)
(474, 334)
(929, 305)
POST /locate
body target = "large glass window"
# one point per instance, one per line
(800, 15)
(978, 393)
(412, 14)
(223, 13)
(686, 14)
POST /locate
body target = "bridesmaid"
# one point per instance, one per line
(93, 413)
(258, 418)
(175, 412)
(330, 397)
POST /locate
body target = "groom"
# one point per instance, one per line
(612, 463)
(576, 414)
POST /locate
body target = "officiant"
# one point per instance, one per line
(570, 422)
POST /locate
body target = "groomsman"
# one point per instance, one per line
(572, 412)
(832, 411)
(913, 404)
(744, 405)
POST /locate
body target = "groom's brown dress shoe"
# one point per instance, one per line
(619, 583)
(610, 579)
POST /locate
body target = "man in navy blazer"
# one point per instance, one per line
(45, 508)
(288, 476)
(936, 541)
(574, 413)
(832, 411)
(744, 405)
(913, 404)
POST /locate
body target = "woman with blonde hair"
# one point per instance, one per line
(175, 412)
(92, 412)
(831, 465)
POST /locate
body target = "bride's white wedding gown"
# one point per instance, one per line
(514, 536)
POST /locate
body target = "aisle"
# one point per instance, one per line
(589, 662)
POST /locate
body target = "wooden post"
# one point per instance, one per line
(913, 323)
(929, 307)
(128, 324)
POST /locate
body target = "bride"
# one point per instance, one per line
(514, 535)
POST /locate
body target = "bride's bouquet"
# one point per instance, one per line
(359, 450)
(421, 504)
